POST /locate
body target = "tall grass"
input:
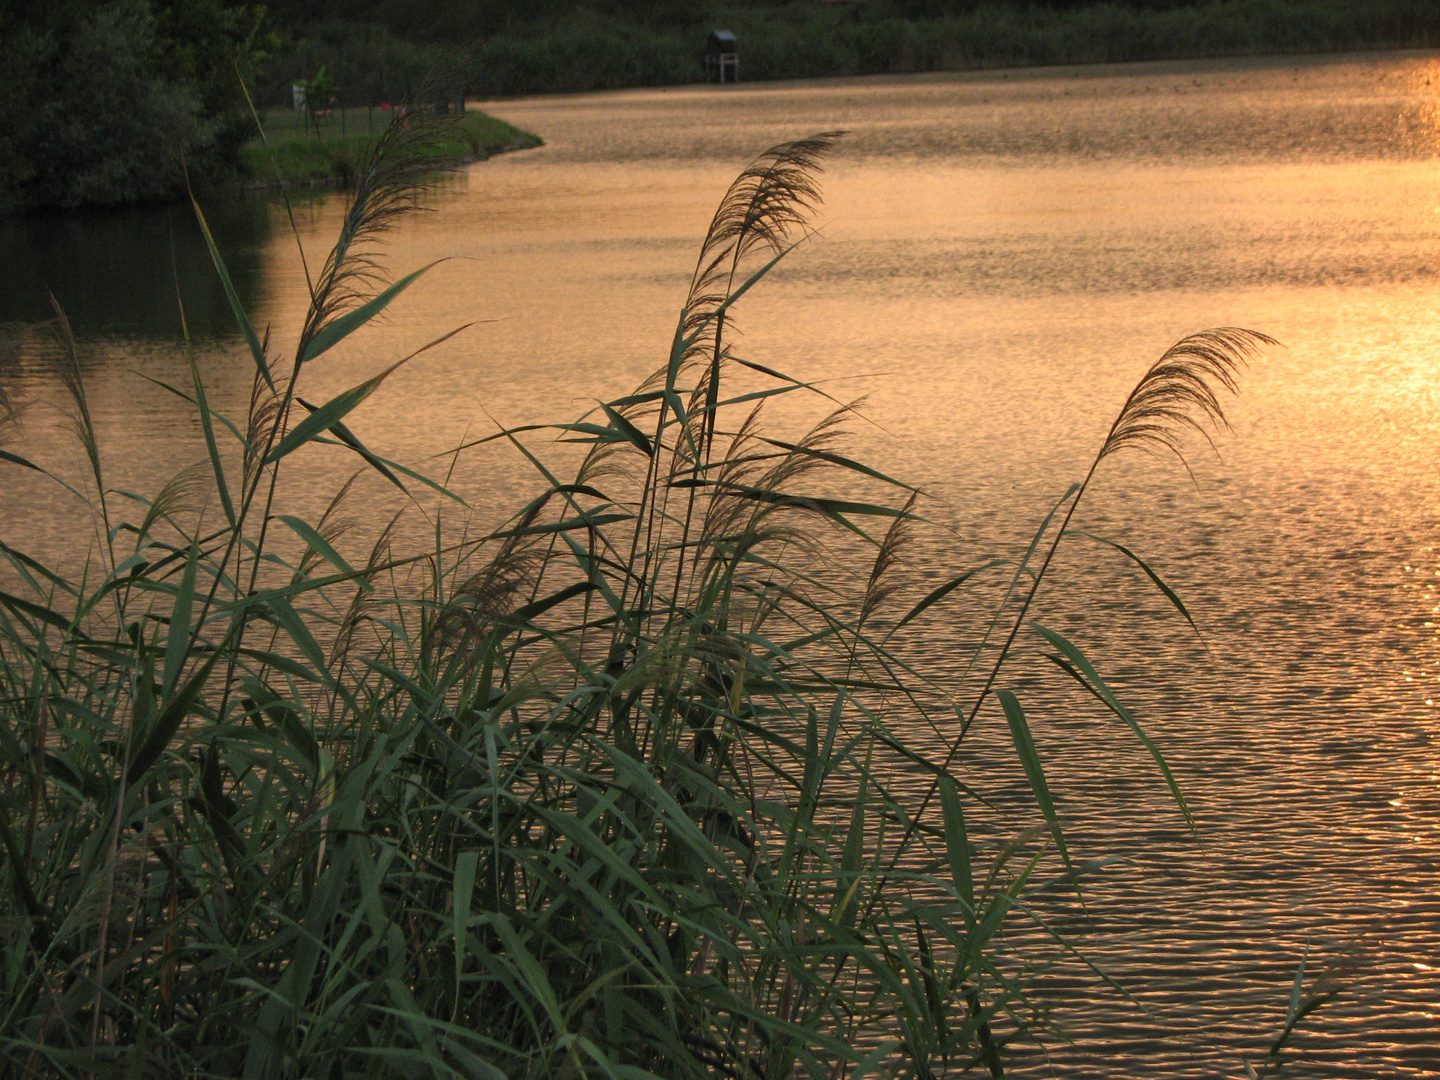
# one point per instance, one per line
(637, 785)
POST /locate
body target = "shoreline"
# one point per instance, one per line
(1095, 69)
(305, 162)
(485, 153)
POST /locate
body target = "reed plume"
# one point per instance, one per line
(769, 202)
(1180, 394)
(388, 186)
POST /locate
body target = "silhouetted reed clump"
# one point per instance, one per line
(629, 787)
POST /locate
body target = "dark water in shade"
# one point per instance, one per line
(131, 272)
(1002, 255)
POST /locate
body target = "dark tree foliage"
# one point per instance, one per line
(463, 21)
(107, 103)
(366, 63)
(457, 21)
(537, 46)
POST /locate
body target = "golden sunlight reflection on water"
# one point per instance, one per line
(1001, 254)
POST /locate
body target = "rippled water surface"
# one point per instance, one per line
(1001, 255)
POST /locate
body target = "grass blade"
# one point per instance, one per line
(341, 327)
(1034, 772)
(1079, 667)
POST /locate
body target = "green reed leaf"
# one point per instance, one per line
(284, 615)
(1292, 1011)
(385, 466)
(341, 327)
(257, 351)
(312, 537)
(281, 663)
(935, 595)
(287, 716)
(1159, 582)
(27, 566)
(1034, 772)
(183, 396)
(847, 463)
(38, 611)
(529, 970)
(6, 455)
(957, 841)
(168, 721)
(217, 467)
(579, 521)
(462, 896)
(177, 639)
(1077, 665)
(326, 415)
(347, 437)
(628, 430)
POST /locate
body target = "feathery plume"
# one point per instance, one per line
(1179, 392)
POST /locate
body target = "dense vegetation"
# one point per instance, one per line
(117, 102)
(101, 102)
(374, 46)
(638, 784)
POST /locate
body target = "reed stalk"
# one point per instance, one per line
(621, 789)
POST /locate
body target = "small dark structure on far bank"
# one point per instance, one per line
(722, 61)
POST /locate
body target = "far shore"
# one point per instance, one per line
(987, 72)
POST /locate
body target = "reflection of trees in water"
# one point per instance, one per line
(116, 271)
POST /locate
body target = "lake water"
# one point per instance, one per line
(1002, 254)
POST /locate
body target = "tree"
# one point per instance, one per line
(110, 103)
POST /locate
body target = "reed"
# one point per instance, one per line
(625, 788)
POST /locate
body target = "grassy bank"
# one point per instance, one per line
(332, 147)
(640, 784)
(586, 48)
